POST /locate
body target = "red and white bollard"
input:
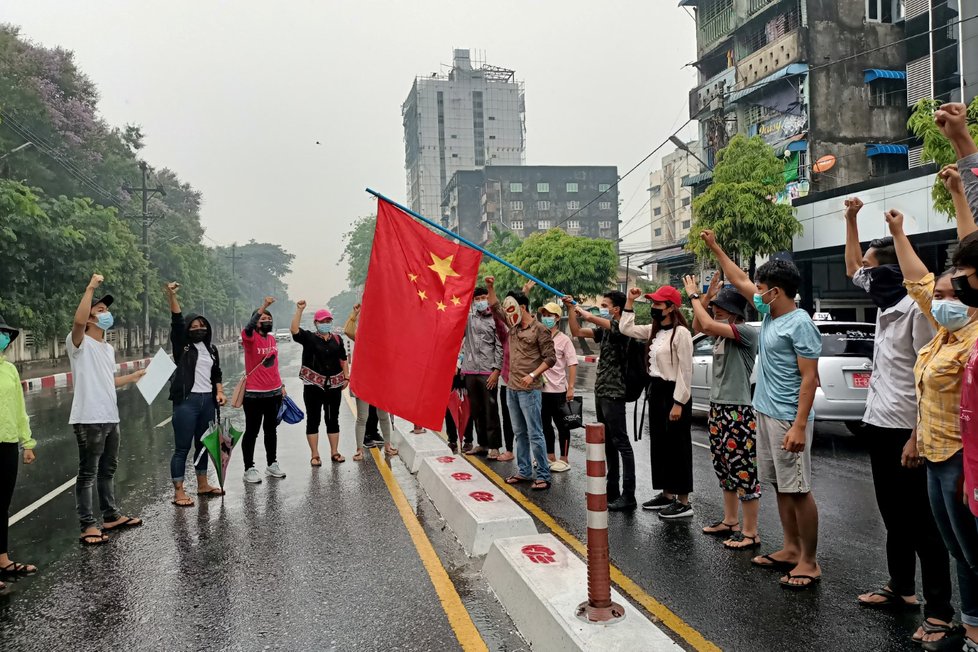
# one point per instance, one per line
(599, 608)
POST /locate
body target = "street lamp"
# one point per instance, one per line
(684, 147)
(17, 149)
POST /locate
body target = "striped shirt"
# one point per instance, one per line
(938, 375)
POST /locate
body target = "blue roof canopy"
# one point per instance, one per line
(788, 71)
(872, 74)
(879, 149)
(798, 146)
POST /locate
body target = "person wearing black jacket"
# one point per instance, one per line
(196, 390)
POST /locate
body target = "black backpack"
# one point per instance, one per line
(636, 355)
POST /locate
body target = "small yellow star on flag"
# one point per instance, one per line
(455, 300)
(413, 277)
(422, 295)
(441, 306)
(442, 266)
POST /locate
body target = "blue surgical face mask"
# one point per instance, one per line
(481, 306)
(105, 320)
(762, 308)
(950, 314)
(325, 328)
(4, 341)
(549, 322)
(604, 313)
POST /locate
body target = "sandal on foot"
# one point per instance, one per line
(772, 563)
(122, 523)
(516, 479)
(390, 451)
(785, 581)
(727, 529)
(739, 537)
(316, 461)
(336, 457)
(211, 491)
(891, 601)
(951, 639)
(93, 539)
(13, 569)
(540, 485)
(186, 501)
(358, 457)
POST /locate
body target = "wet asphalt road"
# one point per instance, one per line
(322, 561)
(318, 561)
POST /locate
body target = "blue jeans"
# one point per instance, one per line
(958, 528)
(98, 457)
(191, 418)
(525, 410)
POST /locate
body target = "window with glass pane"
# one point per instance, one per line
(543, 225)
(543, 187)
(543, 205)
(516, 187)
(516, 225)
(516, 205)
(571, 187)
(573, 224)
(604, 187)
(605, 205)
(604, 224)
(573, 205)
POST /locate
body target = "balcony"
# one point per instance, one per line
(709, 95)
(768, 60)
(756, 5)
(714, 28)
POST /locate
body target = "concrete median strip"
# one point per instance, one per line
(413, 449)
(540, 583)
(476, 511)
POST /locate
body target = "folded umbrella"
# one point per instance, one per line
(218, 444)
(290, 412)
(460, 409)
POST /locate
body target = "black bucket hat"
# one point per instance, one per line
(8, 329)
(732, 301)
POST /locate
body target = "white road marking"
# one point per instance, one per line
(34, 506)
(696, 443)
(164, 422)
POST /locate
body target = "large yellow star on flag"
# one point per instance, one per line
(442, 267)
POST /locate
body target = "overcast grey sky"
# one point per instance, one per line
(234, 95)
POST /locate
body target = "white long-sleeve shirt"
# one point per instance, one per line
(673, 363)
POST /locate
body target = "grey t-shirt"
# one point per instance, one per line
(733, 363)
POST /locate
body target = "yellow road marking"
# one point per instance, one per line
(628, 586)
(458, 617)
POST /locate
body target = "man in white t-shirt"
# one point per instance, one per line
(95, 414)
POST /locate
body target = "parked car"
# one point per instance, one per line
(283, 335)
(844, 371)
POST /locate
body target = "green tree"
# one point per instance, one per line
(936, 147)
(573, 264)
(341, 306)
(738, 205)
(356, 252)
(502, 243)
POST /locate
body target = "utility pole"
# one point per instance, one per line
(146, 192)
(233, 257)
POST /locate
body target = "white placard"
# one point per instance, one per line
(160, 368)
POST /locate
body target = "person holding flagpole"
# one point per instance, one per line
(531, 353)
(363, 408)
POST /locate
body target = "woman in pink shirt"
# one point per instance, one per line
(558, 388)
(263, 392)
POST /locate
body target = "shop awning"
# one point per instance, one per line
(788, 71)
(872, 74)
(880, 149)
(697, 179)
(798, 146)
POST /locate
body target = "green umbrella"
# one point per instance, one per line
(219, 443)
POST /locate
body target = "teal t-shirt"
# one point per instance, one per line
(783, 341)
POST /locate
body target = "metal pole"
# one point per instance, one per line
(598, 608)
(142, 166)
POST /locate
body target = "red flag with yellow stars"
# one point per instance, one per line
(412, 318)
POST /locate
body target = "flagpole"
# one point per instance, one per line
(467, 243)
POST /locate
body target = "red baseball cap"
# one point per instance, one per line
(666, 293)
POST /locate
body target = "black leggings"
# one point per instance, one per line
(261, 414)
(8, 478)
(552, 401)
(322, 404)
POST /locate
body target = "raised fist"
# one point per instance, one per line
(96, 281)
(709, 237)
(269, 301)
(853, 204)
(951, 119)
(951, 179)
(894, 220)
(567, 299)
(172, 287)
(490, 282)
(634, 293)
(301, 304)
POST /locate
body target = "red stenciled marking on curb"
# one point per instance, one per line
(445, 459)
(462, 476)
(539, 554)
(482, 496)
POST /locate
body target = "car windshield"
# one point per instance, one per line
(852, 340)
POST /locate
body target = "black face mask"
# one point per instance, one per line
(965, 293)
(886, 285)
(658, 314)
(197, 335)
(265, 327)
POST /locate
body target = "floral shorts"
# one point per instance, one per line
(733, 445)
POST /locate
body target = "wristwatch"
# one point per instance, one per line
(694, 295)
(532, 375)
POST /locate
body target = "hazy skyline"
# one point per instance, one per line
(233, 96)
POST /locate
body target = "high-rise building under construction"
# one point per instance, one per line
(470, 118)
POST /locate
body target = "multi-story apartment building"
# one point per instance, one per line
(524, 199)
(469, 118)
(671, 212)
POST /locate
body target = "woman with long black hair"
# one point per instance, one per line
(670, 348)
(263, 393)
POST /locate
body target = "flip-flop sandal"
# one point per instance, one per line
(785, 582)
(390, 452)
(336, 457)
(358, 457)
(14, 569)
(213, 491)
(949, 631)
(755, 542)
(127, 522)
(540, 485)
(516, 479)
(100, 539)
(728, 529)
(316, 461)
(773, 564)
(183, 502)
(891, 601)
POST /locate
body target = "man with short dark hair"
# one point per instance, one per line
(482, 361)
(888, 423)
(609, 392)
(789, 346)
